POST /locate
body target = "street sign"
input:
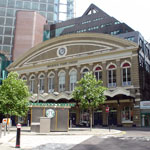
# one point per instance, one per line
(107, 109)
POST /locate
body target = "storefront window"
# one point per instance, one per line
(41, 83)
(31, 84)
(127, 114)
(98, 73)
(112, 76)
(73, 79)
(61, 81)
(126, 74)
(51, 83)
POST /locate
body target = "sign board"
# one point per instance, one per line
(107, 109)
(19, 125)
(5, 121)
(145, 105)
(50, 113)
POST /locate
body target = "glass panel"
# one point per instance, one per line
(10, 12)
(27, 5)
(0, 39)
(11, 3)
(7, 49)
(43, 1)
(1, 21)
(35, 0)
(35, 6)
(9, 22)
(7, 40)
(51, 1)
(43, 14)
(1, 30)
(49, 16)
(19, 4)
(3, 3)
(8, 31)
(43, 7)
(50, 8)
(2, 11)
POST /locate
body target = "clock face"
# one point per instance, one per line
(62, 51)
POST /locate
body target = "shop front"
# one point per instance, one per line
(145, 113)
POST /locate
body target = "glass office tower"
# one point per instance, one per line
(53, 10)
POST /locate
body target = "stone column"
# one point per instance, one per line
(78, 73)
(67, 79)
(46, 82)
(118, 74)
(119, 115)
(36, 83)
(56, 82)
(104, 74)
(91, 67)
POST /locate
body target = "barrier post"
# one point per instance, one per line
(18, 135)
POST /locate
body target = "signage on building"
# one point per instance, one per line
(145, 105)
(50, 113)
(107, 109)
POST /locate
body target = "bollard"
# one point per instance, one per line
(0, 130)
(18, 135)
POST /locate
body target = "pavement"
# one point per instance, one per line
(58, 140)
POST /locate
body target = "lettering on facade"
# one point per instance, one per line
(62, 64)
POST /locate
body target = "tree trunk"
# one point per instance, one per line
(90, 119)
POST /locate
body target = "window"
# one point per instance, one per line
(51, 83)
(0, 67)
(19, 4)
(35, 6)
(126, 74)
(32, 83)
(41, 83)
(98, 73)
(7, 40)
(1, 30)
(10, 12)
(1, 39)
(27, 5)
(127, 114)
(42, 7)
(1, 21)
(61, 81)
(3, 3)
(111, 75)
(50, 8)
(11, 3)
(2, 11)
(9, 22)
(84, 71)
(73, 79)
(130, 38)
(8, 31)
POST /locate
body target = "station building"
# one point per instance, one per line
(120, 59)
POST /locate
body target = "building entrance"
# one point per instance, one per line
(98, 119)
(113, 117)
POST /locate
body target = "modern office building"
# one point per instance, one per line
(116, 54)
(53, 10)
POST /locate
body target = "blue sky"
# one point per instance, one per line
(135, 13)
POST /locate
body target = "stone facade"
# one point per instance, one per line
(87, 51)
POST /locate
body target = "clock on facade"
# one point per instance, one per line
(62, 51)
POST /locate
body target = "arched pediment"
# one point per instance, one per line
(77, 45)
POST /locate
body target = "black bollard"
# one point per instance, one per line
(18, 135)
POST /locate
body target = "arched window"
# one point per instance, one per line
(126, 74)
(51, 83)
(73, 79)
(111, 75)
(85, 70)
(41, 83)
(61, 81)
(24, 78)
(98, 73)
(32, 83)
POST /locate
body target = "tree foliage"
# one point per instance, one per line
(89, 92)
(14, 95)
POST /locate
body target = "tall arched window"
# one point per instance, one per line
(98, 73)
(61, 81)
(41, 83)
(85, 70)
(111, 75)
(73, 79)
(126, 74)
(32, 83)
(51, 83)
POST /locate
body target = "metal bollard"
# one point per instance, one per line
(18, 135)
(0, 130)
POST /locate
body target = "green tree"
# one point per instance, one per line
(89, 93)
(14, 95)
